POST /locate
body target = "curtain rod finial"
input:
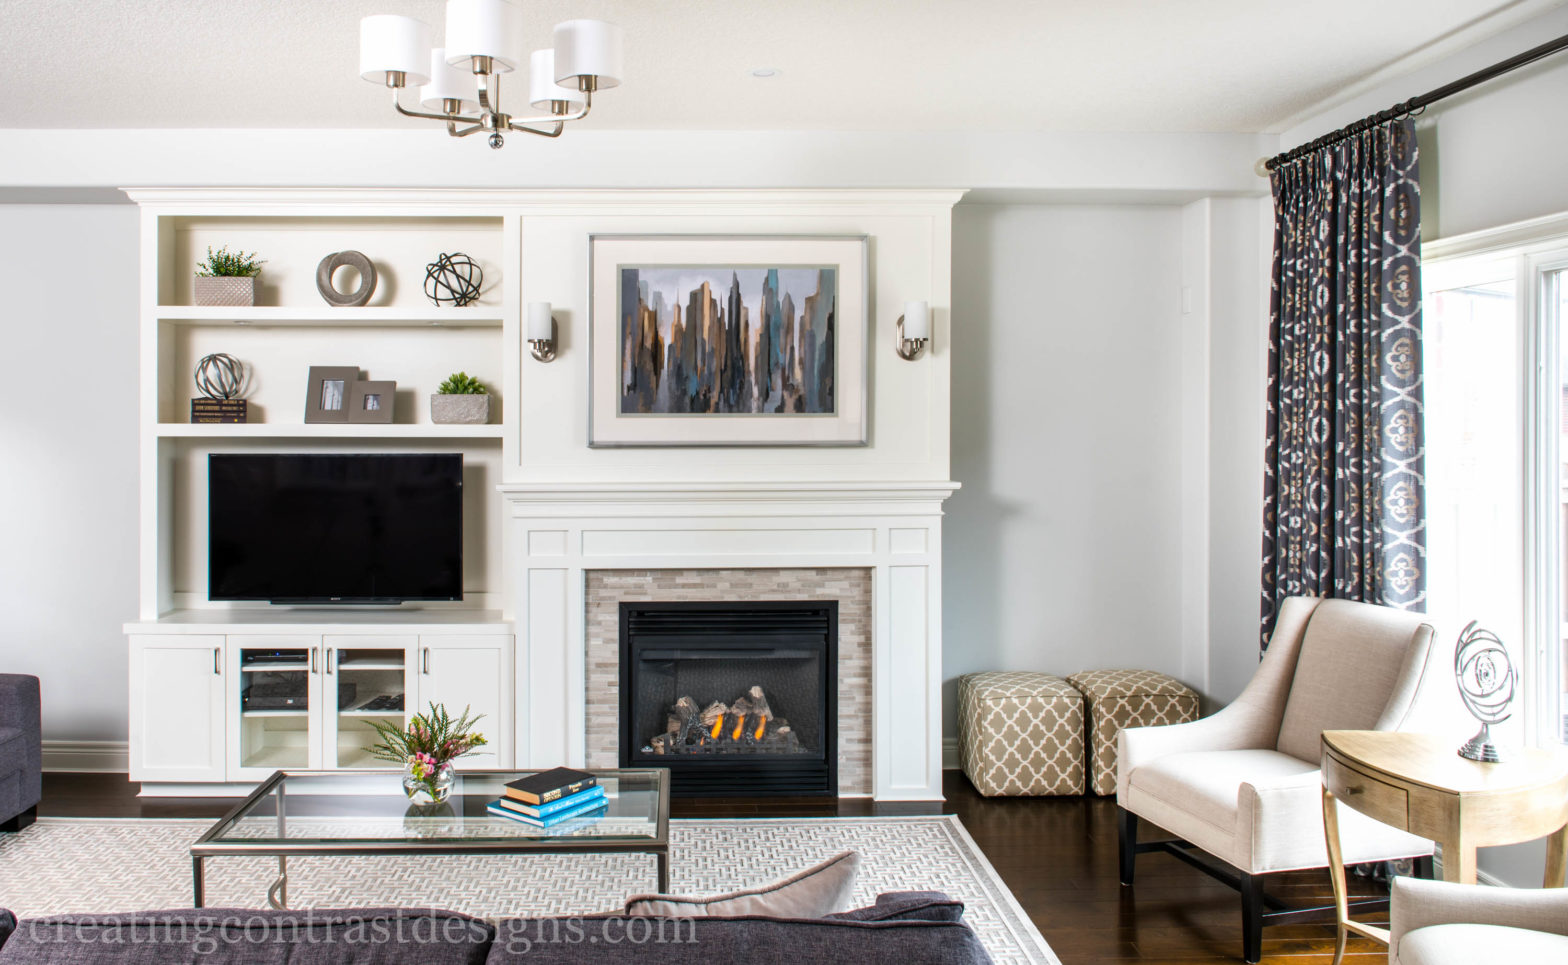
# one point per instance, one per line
(1262, 167)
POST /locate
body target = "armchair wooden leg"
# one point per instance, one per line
(1126, 842)
(1251, 917)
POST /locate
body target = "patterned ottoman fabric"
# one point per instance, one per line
(1020, 733)
(1127, 698)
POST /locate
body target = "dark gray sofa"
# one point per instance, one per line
(21, 751)
(903, 928)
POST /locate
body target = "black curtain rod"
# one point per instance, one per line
(1417, 104)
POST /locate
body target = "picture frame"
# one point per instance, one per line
(327, 390)
(372, 401)
(668, 368)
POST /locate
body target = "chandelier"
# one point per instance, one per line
(460, 83)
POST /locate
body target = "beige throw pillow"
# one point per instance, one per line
(812, 893)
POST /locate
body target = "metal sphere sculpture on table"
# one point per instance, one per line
(220, 376)
(453, 279)
(1487, 681)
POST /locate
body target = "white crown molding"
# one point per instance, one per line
(227, 199)
(99, 757)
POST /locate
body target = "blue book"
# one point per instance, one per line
(554, 807)
(582, 810)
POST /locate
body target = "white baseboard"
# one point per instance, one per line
(949, 753)
(109, 757)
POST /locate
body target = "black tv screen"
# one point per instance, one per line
(335, 528)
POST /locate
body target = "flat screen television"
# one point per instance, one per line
(379, 529)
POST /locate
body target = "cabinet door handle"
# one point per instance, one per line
(330, 652)
(424, 666)
(217, 661)
(313, 658)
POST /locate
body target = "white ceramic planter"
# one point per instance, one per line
(460, 409)
(229, 291)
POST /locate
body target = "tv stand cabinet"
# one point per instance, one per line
(219, 699)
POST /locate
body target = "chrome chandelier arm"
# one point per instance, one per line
(427, 116)
(451, 126)
(555, 119)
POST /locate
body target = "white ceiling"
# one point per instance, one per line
(996, 65)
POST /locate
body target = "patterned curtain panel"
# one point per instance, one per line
(1343, 500)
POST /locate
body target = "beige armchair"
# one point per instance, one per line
(1438, 923)
(1243, 785)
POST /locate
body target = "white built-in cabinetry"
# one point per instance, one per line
(193, 661)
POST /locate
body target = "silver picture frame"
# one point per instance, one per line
(850, 425)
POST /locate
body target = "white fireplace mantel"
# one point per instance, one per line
(558, 532)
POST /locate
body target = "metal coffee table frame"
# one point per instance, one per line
(206, 846)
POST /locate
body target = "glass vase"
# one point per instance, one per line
(429, 788)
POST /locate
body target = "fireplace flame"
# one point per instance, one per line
(740, 725)
(762, 726)
(718, 728)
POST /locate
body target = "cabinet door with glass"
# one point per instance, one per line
(366, 680)
(276, 681)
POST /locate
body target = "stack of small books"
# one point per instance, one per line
(546, 799)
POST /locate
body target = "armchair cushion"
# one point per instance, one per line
(1355, 665)
(1416, 905)
(1469, 944)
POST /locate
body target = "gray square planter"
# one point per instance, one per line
(230, 291)
(460, 409)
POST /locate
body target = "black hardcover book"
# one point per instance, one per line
(547, 786)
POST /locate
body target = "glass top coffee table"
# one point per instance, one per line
(296, 813)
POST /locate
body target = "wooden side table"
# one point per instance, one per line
(1420, 784)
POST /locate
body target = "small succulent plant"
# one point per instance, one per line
(225, 264)
(461, 384)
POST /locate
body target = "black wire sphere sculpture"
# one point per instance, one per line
(1487, 681)
(220, 376)
(453, 279)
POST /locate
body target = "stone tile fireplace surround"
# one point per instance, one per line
(875, 547)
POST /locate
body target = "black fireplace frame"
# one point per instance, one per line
(738, 776)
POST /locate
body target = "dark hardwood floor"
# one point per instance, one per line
(1058, 855)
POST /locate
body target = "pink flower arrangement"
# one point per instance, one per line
(429, 743)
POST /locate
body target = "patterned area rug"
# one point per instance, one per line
(99, 865)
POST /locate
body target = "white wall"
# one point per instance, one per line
(1490, 156)
(68, 434)
(1062, 550)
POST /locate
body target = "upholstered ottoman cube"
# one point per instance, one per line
(1127, 698)
(1020, 733)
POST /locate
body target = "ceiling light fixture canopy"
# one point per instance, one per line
(460, 83)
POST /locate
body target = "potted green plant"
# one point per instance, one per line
(227, 278)
(461, 399)
(426, 749)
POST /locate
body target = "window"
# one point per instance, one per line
(1497, 460)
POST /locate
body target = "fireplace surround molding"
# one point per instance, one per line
(559, 533)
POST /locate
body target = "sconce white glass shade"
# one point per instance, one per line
(588, 48)
(542, 88)
(388, 42)
(483, 28)
(540, 326)
(448, 83)
(917, 320)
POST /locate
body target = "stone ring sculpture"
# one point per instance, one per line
(355, 260)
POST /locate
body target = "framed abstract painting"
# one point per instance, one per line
(727, 340)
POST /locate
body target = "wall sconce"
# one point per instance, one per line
(914, 330)
(541, 331)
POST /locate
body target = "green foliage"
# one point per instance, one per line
(435, 735)
(461, 384)
(224, 264)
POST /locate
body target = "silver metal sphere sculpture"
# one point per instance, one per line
(220, 376)
(453, 279)
(1487, 681)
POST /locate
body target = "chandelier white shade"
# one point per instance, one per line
(447, 83)
(461, 79)
(483, 28)
(588, 50)
(542, 88)
(392, 44)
